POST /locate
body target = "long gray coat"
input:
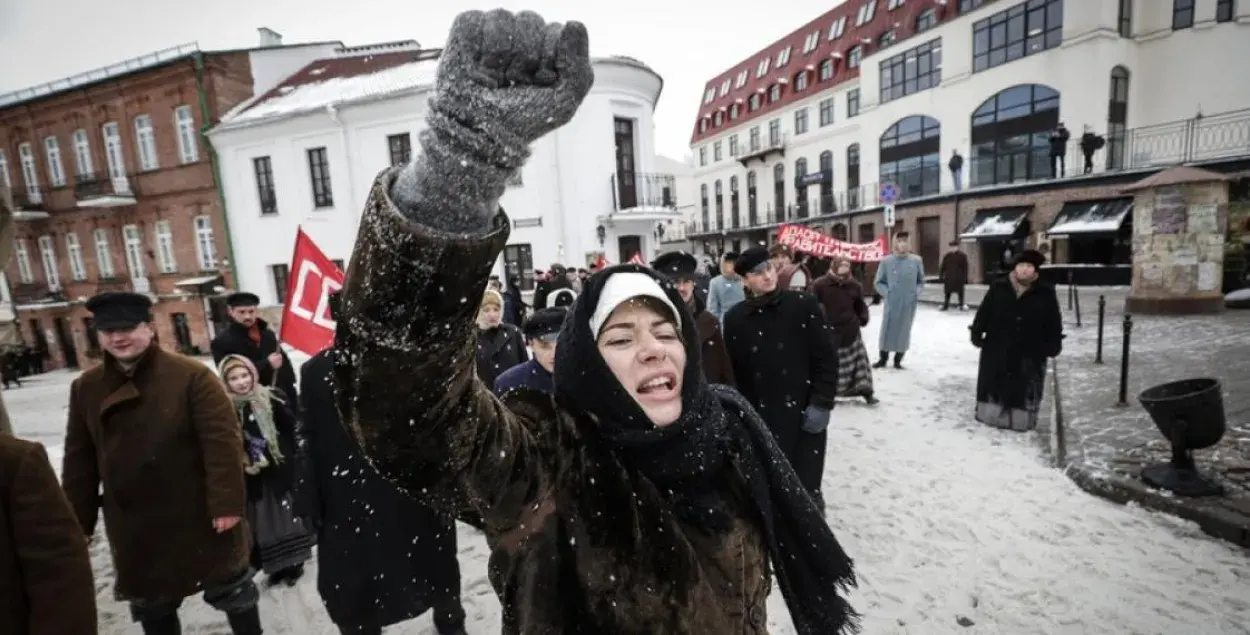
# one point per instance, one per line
(900, 277)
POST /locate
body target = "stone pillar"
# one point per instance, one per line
(1180, 218)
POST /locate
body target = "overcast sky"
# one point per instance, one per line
(686, 42)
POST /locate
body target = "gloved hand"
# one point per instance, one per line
(978, 339)
(816, 419)
(503, 82)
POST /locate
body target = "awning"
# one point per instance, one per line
(1091, 217)
(196, 281)
(995, 224)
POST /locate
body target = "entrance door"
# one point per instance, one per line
(65, 340)
(628, 246)
(929, 242)
(182, 333)
(626, 185)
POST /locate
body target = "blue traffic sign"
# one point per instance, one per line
(889, 193)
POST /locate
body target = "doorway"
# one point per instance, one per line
(628, 246)
(65, 340)
(182, 333)
(929, 243)
(626, 186)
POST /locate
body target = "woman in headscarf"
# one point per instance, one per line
(1017, 327)
(842, 298)
(500, 345)
(281, 542)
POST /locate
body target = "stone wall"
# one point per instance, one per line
(1178, 248)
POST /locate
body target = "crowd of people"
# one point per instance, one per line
(641, 455)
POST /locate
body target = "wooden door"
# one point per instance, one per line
(628, 246)
(929, 243)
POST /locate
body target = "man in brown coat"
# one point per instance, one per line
(45, 572)
(954, 274)
(157, 430)
(682, 268)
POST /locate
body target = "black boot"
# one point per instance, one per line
(871, 399)
(163, 625)
(882, 360)
(898, 361)
(245, 622)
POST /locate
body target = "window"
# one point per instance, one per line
(73, 249)
(724, 87)
(779, 191)
(911, 156)
(800, 81)
(734, 111)
(1182, 14)
(1126, 18)
(703, 125)
(1011, 135)
(103, 254)
(30, 174)
(886, 39)
(709, 95)
(134, 251)
(852, 176)
(205, 250)
(867, 12)
(912, 71)
(5, 181)
(319, 172)
(752, 205)
(281, 276)
(837, 28)
(774, 133)
(519, 263)
(262, 167)
(83, 164)
(24, 273)
(893, 4)
(717, 155)
(853, 58)
(188, 145)
(704, 207)
(754, 103)
(1025, 29)
(165, 258)
(800, 121)
(733, 146)
(1224, 10)
(47, 255)
(56, 171)
(145, 137)
(774, 93)
(926, 20)
(718, 119)
(755, 138)
(800, 186)
(852, 103)
(826, 70)
(720, 205)
(703, 156)
(812, 40)
(968, 5)
(1117, 118)
(742, 79)
(826, 112)
(400, 148)
(826, 183)
(113, 153)
(762, 69)
(783, 57)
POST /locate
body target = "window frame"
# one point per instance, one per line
(1225, 10)
(1183, 14)
(166, 256)
(73, 253)
(262, 172)
(84, 163)
(56, 167)
(103, 254)
(852, 103)
(145, 143)
(205, 247)
(801, 123)
(319, 177)
(1018, 42)
(188, 144)
(901, 75)
(826, 112)
(47, 259)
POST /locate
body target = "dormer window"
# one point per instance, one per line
(703, 125)
(867, 12)
(826, 70)
(800, 80)
(837, 28)
(742, 79)
(709, 95)
(886, 39)
(783, 57)
(774, 93)
(762, 69)
(754, 103)
(926, 20)
(733, 111)
(724, 88)
(854, 55)
(718, 119)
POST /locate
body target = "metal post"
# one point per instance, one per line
(1077, 296)
(1128, 332)
(1102, 317)
(1069, 289)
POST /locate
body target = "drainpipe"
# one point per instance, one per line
(206, 116)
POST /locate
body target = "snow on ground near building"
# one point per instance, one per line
(944, 517)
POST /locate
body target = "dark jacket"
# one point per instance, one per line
(164, 442)
(716, 365)
(956, 163)
(499, 349)
(45, 572)
(279, 476)
(954, 271)
(529, 374)
(235, 341)
(1059, 141)
(381, 554)
(843, 303)
(1019, 334)
(1091, 143)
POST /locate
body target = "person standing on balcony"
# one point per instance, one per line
(954, 275)
(250, 336)
(725, 291)
(900, 278)
(956, 166)
(1059, 150)
(1090, 143)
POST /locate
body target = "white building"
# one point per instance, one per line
(306, 153)
(878, 91)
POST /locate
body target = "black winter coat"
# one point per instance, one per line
(381, 554)
(280, 476)
(1019, 334)
(499, 349)
(234, 341)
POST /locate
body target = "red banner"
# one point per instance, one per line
(810, 241)
(306, 321)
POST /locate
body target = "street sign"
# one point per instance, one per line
(889, 217)
(889, 193)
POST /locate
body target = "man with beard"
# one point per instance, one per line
(785, 364)
(682, 269)
(541, 330)
(251, 337)
(154, 440)
(900, 278)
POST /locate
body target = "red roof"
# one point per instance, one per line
(902, 20)
(342, 68)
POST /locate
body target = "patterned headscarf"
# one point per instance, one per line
(260, 399)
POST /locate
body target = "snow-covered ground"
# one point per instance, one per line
(946, 519)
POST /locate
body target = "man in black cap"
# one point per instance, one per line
(251, 337)
(785, 363)
(540, 329)
(173, 497)
(682, 269)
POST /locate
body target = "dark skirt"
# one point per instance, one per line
(1016, 407)
(280, 537)
(854, 370)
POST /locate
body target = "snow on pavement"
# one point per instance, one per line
(946, 520)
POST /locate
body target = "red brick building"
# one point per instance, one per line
(115, 189)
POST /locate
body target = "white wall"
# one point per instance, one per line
(272, 65)
(566, 183)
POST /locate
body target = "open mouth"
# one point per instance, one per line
(658, 386)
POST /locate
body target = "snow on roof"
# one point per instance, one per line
(995, 223)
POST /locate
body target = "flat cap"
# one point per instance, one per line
(544, 324)
(677, 265)
(242, 298)
(750, 260)
(119, 310)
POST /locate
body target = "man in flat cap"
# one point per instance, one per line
(158, 432)
(682, 269)
(541, 330)
(251, 337)
(785, 363)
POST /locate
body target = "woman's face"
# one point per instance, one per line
(645, 353)
(1025, 271)
(844, 268)
(490, 315)
(239, 380)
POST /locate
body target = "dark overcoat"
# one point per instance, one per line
(280, 476)
(499, 349)
(164, 441)
(716, 365)
(235, 341)
(1020, 333)
(845, 309)
(954, 271)
(45, 571)
(580, 544)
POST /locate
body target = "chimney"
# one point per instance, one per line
(269, 37)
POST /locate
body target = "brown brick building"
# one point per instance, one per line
(115, 189)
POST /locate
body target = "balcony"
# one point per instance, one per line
(103, 191)
(761, 151)
(642, 190)
(35, 293)
(29, 203)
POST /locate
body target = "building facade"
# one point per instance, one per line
(881, 94)
(114, 189)
(305, 154)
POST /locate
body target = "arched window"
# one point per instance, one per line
(911, 155)
(1011, 135)
(779, 192)
(703, 195)
(752, 207)
(826, 183)
(733, 202)
(852, 176)
(800, 186)
(926, 20)
(720, 206)
(1117, 118)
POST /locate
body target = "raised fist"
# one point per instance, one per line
(513, 77)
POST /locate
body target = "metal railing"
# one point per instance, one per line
(768, 144)
(643, 189)
(98, 74)
(29, 199)
(97, 186)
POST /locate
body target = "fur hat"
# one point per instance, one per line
(491, 296)
(1033, 257)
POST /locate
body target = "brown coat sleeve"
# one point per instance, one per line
(404, 375)
(51, 551)
(720, 357)
(221, 441)
(80, 467)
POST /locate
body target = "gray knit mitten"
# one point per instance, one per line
(503, 82)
